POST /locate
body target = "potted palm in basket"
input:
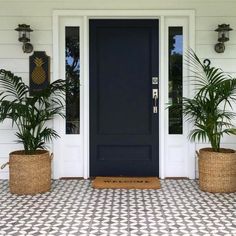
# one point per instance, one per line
(30, 168)
(211, 113)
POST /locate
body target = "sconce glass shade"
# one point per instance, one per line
(223, 32)
(24, 32)
(24, 37)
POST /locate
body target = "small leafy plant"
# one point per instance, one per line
(30, 113)
(210, 110)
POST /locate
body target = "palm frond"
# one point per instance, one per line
(215, 92)
(31, 113)
(13, 85)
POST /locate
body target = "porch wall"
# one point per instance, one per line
(38, 14)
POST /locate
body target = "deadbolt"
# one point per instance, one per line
(154, 80)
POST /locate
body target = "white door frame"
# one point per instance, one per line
(85, 15)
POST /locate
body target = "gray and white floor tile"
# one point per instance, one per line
(73, 207)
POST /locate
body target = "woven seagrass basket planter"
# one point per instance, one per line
(30, 174)
(217, 170)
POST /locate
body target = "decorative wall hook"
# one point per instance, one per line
(24, 37)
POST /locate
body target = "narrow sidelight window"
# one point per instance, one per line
(175, 79)
(72, 57)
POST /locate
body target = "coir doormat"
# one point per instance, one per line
(126, 182)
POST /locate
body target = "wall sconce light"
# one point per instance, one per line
(24, 37)
(223, 36)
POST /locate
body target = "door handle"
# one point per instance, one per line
(155, 98)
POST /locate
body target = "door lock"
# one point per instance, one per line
(154, 80)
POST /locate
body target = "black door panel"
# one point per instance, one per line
(123, 128)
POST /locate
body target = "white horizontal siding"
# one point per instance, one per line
(15, 65)
(41, 37)
(5, 149)
(44, 8)
(38, 14)
(206, 50)
(38, 23)
(14, 51)
(209, 22)
(7, 136)
(209, 37)
(206, 38)
(18, 65)
(223, 63)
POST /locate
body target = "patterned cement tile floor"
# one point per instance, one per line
(73, 207)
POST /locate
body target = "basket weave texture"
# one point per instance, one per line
(217, 170)
(30, 174)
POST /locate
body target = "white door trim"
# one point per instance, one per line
(119, 14)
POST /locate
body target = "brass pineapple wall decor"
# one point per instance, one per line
(39, 71)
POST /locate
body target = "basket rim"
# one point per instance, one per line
(22, 152)
(222, 150)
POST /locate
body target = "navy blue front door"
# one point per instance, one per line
(123, 125)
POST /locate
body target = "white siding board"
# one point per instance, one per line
(37, 37)
(21, 9)
(6, 149)
(208, 51)
(213, 9)
(206, 37)
(15, 52)
(211, 23)
(44, 8)
(36, 23)
(223, 63)
(210, 37)
(7, 124)
(14, 65)
(7, 136)
(41, 37)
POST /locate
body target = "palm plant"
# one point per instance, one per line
(30, 113)
(210, 110)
